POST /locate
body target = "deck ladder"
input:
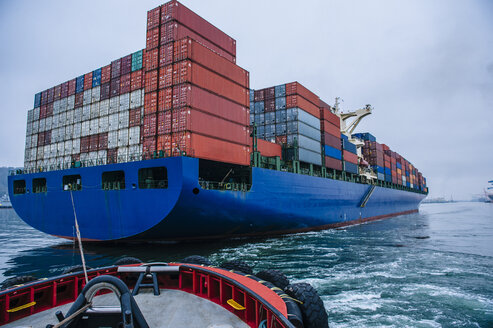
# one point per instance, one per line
(367, 196)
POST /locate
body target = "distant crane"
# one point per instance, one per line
(348, 129)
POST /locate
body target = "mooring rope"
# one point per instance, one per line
(78, 238)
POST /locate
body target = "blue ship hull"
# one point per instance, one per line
(277, 203)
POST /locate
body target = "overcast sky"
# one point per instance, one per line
(425, 66)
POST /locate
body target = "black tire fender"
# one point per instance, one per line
(275, 277)
(311, 305)
(237, 265)
(197, 259)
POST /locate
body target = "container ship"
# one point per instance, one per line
(170, 143)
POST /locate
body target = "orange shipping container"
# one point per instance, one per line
(196, 145)
(164, 143)
(294, 88)
(298, 101)
(268, 149)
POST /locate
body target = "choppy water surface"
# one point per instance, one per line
(432, 269)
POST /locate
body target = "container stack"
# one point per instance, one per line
(196, 97)
(349, 156)
(288, 114)
(87, 118)
(330, 127)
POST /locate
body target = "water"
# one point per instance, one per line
(432, 269)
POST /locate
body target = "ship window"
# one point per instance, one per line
(19, 187)
(114, 180)
(39, 185)
(153, 178)
(72, 182)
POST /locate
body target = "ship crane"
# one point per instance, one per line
(348, 129)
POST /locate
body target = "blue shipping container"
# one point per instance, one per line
(280, 103)
(381, 176)
(96, 78)
(79, 84)
(388, 178)
(332, 152)
(387, 171)
(280, 90)
(408, 184)
(37, 100)
(350, 167)
(379, 169)
(252, 97)
(259, 107)
(350, 147)
(365, 136)
(343, 136)
(399, 166)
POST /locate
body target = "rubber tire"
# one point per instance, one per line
(127, 260)
(237, 265)
(275, 277)
(312, 309)
(74, 269)
(197, 259)
(21, 280)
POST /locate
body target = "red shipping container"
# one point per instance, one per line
(268, 149)
(151, 81)
(196, 145)
(79, 99)
(149, 126)
(164, 143)
(150, 103)
(103, 141)
(125, 83)
(187, 71)
(75, 157)
(176, 11)
(42, 112)
(331, 140)
(269, 105)
(64, 91)
(152, 38)
(106, 74)
(166, 77)
(164, 122)
(44, 97)
(350, 157)
(332, 130)
(58, 92)
(152, 59)
(165, 99)
(84, 144)
(136, 80)
(126, 64)
(116, 66)
(41, 139)
(153, 17)
(270, 93)
(327, 115)
(111, 155)
(104, 91)
(134, 117)
(148, 146)
(298, 101)
(71, 87)
(93, 142)
(51, 95)
(259, 95)
(281, 140)
(294, 88)
(190, 49)
(174, 31)
(188, 119)
(195, 97)
(385, 147)
(88, 81)
(115, 87)
(333, 163)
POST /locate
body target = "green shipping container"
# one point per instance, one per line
(136, 61)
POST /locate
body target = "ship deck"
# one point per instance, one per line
(172, 308)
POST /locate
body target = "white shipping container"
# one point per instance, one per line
(113, 122)
(70, 117)
(77, 115)
(86, 113)
(122, 137)
(135, 152)
(29, 129)
(30, 115)
(75, 146)
(104, 107)
(112, 139)
(27, 144)
(87, 97)
(94, 126)
(124, 101)
(36, 114)
(114, 104)
(63, 104)
(95, 110)
(33, 154)
(122, 154)
(35, 127)
(46, 151)
(123, 119)
(56, 119)
(84, 157)
(84, 129)
(135, 98)
(53, 150)
(56, 107)
(67, 161)
(70, 102)
(61, 134)
(27, 155)
(62, 120)
(134, 135)
(76, 130)
(95, 94)
(68, 148)
(40, 154)
(42, 123)
(69, 132)
(59, 162)
(102, 155)
(103, 124)
(54, 135)
(60, 149)
(34, 140)
(48, 122)
(93, 157)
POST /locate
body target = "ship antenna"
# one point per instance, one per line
(78, 237)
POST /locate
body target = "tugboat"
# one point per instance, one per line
(189, 294)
